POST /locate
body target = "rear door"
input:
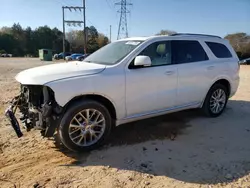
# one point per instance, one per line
(193, 71)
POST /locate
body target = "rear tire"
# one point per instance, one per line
(85, 126)
(215, 101)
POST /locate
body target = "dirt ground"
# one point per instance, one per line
(205, 152)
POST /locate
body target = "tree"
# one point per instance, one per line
(6, 30)
(241, 44)
(18, 34)
(102, 40)
(21, 42)
(95, 40)
(2, 52)
(92, 36)
(8, 43)
(76, 41)
(29, 37)
(166, 32)
(58, 40)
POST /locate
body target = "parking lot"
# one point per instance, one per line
(178, 150)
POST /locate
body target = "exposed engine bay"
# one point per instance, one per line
(38, 109)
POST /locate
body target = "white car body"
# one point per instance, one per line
(139, 93)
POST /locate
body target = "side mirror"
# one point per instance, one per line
(142, 60)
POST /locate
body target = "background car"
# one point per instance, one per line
(63, 55)
(73, 57)
(68, 58)
(82, 57)
(6, 55)
(55, 56)
(245, 61)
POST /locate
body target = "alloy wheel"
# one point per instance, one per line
(217, 101)
(87, 127)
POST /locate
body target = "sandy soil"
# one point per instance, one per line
(205, 153)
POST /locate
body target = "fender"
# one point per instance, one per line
(66, 90)
(222, 77)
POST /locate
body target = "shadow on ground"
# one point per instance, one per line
(184, 146)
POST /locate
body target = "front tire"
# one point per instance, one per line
(215, 101)
(85, 126)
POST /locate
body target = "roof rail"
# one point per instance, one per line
(193, 34)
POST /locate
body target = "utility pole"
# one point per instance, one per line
(63, 32)
(74, 22)
(110, 33)
(123, 25)
(84, 30)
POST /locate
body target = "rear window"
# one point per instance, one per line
(219, 50)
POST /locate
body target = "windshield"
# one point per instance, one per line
(113, 52)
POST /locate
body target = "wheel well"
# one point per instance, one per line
(225, 83)
(104, 101)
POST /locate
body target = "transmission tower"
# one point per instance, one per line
(123, 25)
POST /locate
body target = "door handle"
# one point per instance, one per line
(210, 68)
(169, 72)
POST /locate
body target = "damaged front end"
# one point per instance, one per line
(38, 109)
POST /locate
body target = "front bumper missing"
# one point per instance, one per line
(31, 117)
(10, 114)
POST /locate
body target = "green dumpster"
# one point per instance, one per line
(45, 54)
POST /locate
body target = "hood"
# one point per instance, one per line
(44, 74)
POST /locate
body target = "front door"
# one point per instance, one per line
(152, 88)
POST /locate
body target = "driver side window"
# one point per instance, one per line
(159, 53)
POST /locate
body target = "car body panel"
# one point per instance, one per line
(151, 89)
(44, 74)
(111, 87)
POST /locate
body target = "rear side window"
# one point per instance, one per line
(187, 51)
(219, 50)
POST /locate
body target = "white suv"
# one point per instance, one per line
(125, 81)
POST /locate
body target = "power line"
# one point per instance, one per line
(109, 4)
(90, 22)
(64, 3)
(123, 25)
(74, 22)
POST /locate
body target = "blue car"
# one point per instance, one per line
(73, 57)
(62, 55)
(82, 57)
